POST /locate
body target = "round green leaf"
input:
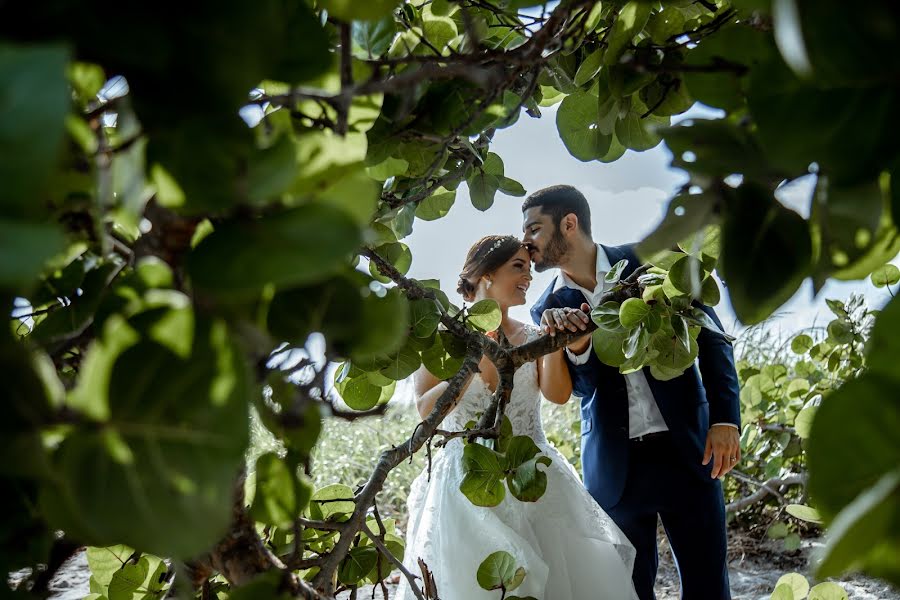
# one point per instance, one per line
(357, 565)
(828, 591)
(632, 312)
(483, 481)
(359, 393)
(485, 315)
(334, 500)
(608, 346)
(35, 103)
(840, 332)
(801, 344)
(578, 120)
(498, 571)
(797, 583)
(756, 228)
(782, 591)
(886, 275)
(174, 397)
(857, 416)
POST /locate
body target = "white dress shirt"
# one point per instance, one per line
(643, 413)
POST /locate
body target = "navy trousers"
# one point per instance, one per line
(692, 512)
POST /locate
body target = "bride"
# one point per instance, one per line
(570, 548)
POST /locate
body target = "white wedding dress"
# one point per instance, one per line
(569, 547)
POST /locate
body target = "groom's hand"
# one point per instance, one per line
(723, 443)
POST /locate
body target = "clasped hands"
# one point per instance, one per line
(723, 445)
(554, 320)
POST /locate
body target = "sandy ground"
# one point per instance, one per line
(754, 569)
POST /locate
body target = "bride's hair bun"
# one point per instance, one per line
(465, 288)
(485, 256)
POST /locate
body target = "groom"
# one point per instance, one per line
(649, 448)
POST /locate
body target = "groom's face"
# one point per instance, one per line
(544, 240)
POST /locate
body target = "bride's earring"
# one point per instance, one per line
(489, 282)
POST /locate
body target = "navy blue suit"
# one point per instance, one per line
(635, 481)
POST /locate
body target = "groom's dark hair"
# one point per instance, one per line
(559, 201)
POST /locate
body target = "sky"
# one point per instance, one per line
(628, 199)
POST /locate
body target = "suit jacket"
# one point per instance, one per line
(687, 403)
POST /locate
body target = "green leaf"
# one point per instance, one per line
(397, 254)
(615, 272)
(483, 480)
(778, 530)
(589, 68)
(855, 416)
(860, 526)
(332, 501)
(280, 496)
(797, 583)
(686, 214)
(606, 316)
(827, 591)
(840, 332)
(801, 344)
(357, 565)
(608, 346)
(485, 315)
(104, 562)
(34, 107)
(24, 248)
(673, 358)
(578, 120)
(636, 342)
(756, 228)
(632, 18)
(438, 360)
(782, 591)
(637, 132)
(886, 275)
(175, 428)
(387, 324)
(372, 39)
(436, 205)
(402, 364)
(716, 149)
(424, 317)
(485, 181)
(389, 167)
(499, 571)
(348, 10)
(511, 187)
(299, 246)
(884, 345)
(632, 312)
(804, 513)
(359, 393)
(852, 230)
(127, 580)
(685, 278)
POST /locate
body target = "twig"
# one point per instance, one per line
(390, 556)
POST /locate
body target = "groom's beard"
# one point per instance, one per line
(553, 254)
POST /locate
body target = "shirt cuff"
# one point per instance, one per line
(728, 424)
(580, 359)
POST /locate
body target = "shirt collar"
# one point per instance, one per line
(603, 267)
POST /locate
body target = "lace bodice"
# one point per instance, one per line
(524, 409)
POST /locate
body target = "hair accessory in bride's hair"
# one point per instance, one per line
(495, 245)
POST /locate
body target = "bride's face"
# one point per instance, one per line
(510, 282)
